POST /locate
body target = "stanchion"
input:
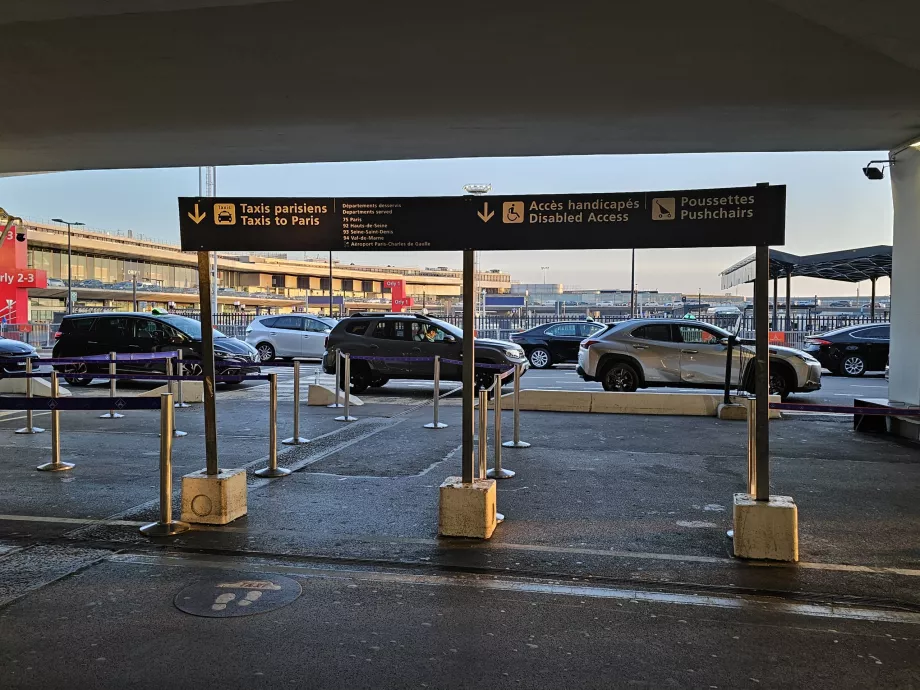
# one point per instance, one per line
(112, 414)
(55, 465)
(180, 369)
(347, 416)
(169, 385)
(517, 442)
(272, 470)
(165, 526)
(498, 472)
(29, 428)
(296, 439)
(338, 358)
(483, 433)
(436, 423)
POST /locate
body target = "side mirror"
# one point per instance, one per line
(449, 339)
(176, 340)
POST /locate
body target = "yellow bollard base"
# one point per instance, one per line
(467, 510)
(766, 530)
(214, 499)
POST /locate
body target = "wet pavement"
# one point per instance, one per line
(612, 568)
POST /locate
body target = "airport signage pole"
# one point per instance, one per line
(468, 375)
(207, 362)
(761, 462)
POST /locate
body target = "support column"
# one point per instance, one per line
(774, 317)
(872, 303)
(904, 386)
(788, 326)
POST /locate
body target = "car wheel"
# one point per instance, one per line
(853, 365)
(77, 368)
(361, 378)
(780, 385)
(620, 377)
(540, 358)
(378, 381)
(484, 379)
(266, 352)
(192, 369)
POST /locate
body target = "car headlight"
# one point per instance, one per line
(514, 353)
(805, 357)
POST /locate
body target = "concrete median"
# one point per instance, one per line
(603, 402)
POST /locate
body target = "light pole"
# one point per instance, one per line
(133, 275)
(69, 224)
(632, 289)
(544, 269)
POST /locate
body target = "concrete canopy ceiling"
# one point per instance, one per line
(87, 84)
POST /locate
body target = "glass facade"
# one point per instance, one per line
(112, 270)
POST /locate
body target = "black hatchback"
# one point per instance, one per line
(555, 343)
(83, 335)
(852, 351)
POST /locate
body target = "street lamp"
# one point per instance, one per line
(544, 269)
(133, 275)
(69, 225)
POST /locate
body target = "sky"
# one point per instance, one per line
(830, 206)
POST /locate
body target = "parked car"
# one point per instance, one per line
(410, 336)
(56, 282)
(81, 335)
(644, 353)
(289, 335)
(554, 343)
(13, 356)
(852, 351)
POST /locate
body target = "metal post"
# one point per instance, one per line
(872, 304)
(436, 423)
(483, 433)
(29, 427)
(207, 363)
(788, 303)
(272, 470)
(112, 414)
(55, 465)
(180, 369)
(338, 358)
(632, 290)
(498, 472)
(762, 375)
(468, 370)
(169, 386)
(296, 439)
(517, 442)
(69, 273)
(347, 416)
(330, 303)
(165, 526)
(728, 371)
(752, 445)
(134, 291)
(774, 322)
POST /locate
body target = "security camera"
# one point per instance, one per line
(876, 173)
(20, 237)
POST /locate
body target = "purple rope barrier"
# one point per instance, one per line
(125, 357)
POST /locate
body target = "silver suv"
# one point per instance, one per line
(645, 353)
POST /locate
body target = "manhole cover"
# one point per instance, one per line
(237, 594)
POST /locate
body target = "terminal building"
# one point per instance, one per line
(105, 266)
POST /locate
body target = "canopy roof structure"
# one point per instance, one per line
(849, 265)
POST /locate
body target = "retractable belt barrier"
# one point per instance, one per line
(139, 377)
(120, 357)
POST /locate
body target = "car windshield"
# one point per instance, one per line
(448, 328)
(190, 327)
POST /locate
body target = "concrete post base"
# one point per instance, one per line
(467, 510)
(213, 499)
(766, 530)
(734, 412)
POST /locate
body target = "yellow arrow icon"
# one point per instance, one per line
(484, 214)
(197, 217)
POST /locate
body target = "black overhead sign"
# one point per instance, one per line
(742, 216)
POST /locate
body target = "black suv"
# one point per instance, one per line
(82, 335)
(410, 335)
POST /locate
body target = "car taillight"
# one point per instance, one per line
(57, 335)
(588, 343)
(816, 341)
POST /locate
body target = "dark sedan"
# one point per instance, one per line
(852, 351)
(13, 356)
(555, 343)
